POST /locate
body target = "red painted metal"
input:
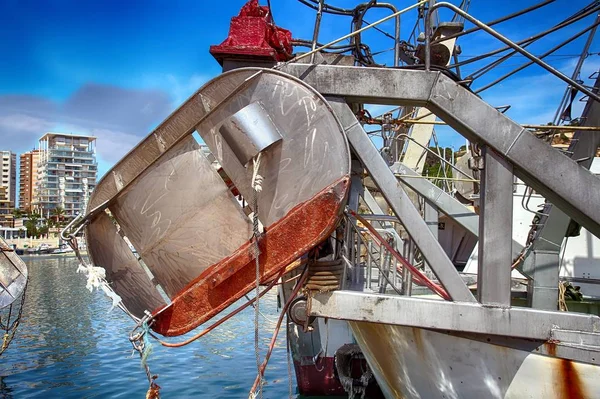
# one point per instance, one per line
(253, 34)
(220, 285)
(320, 379)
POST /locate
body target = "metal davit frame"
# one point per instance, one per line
(508, 149)
(388, 327)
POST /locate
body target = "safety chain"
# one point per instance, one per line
(11, 329)
(141, 343)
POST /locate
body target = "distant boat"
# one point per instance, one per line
(63, 249)
(40, 249)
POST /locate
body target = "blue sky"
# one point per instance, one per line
(116, 69)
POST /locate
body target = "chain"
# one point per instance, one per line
(141, 344)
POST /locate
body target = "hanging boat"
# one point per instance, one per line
(193, 236)
(13, 275)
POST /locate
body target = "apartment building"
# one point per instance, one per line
(6, 215)
(67, 172)
(8, 175)
(28, 175)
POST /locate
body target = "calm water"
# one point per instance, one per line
(70, 346)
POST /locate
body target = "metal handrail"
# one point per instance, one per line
(437, 155)
(506, 41)
(352, 34)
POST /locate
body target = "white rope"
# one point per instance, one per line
(257, 180)
(96, 278)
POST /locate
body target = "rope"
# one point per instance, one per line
(263, 366)
(96, 277)
(143, 346)
(257, 181)
(562, 303)
(288, 357)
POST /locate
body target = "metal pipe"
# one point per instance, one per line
(436, 178)
(430, 151)
(428, 19)
(519, 49)
(352, 34)
(552, 70)
(539, 127)
(496, 21)
(316, 31)
(577, 70)
(396, 30)
(531, 39)
(369, 264)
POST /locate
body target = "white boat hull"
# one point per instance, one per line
(418, 363)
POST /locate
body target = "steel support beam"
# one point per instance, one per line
(542, 264)
(438, 197)
(398, 199)
(450, 316)
(576, 194)
(495, 231)
(432, 218)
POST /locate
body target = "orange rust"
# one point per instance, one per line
(550, 348)
(566, 375)
(305, 226)
(569, 381)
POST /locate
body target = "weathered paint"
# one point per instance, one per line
(222, 284)
(419, 363)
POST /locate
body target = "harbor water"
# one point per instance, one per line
(71, 345)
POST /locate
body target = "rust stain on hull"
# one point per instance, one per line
(223, 283)
(569, 383)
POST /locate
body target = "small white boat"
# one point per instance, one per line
(63, 249)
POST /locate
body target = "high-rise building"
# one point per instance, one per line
(67, 172)
(28, 170)
(6, 216)
(8, 175)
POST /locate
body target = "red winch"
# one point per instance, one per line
(253, 34)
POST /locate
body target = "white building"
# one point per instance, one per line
(8, 175)
(67, 172)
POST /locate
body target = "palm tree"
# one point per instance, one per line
(32, 224)
(58, 214)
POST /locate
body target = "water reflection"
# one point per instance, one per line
(70, 345)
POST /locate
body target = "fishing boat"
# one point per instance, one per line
(395, 283)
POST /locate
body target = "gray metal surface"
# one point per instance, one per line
(125, 274)
(439, 198)
(313, 154)
(178, 125)
(173, 205)
(181, 217)
(451, 316)
(495, 231)
(249, 131)
(476, 120)
(543, 261)
(13, 275)
(400, 203)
